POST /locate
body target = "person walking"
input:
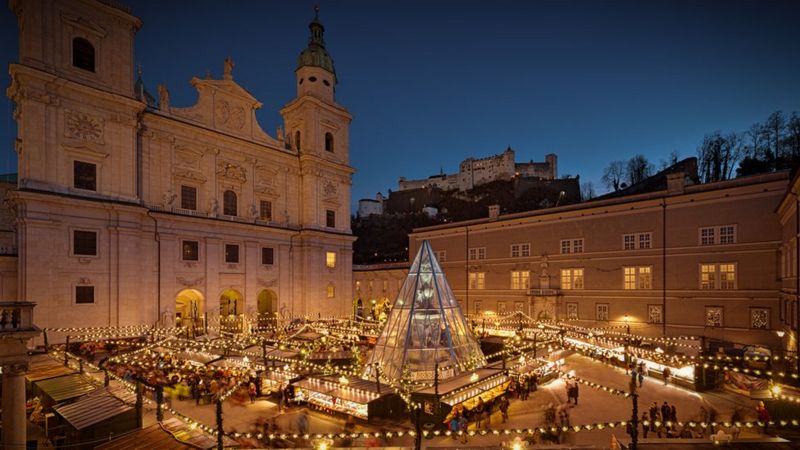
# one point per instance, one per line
(480, 408)
(667, 374)
(462, 425)
(504, 408)
(302, 423)
(251, 390)
(641, 376)
(575, 393)
(673, 413)
(763, 416)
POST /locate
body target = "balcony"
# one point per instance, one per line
(538, 292)
(16, 317)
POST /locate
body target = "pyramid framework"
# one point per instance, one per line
(425, 329)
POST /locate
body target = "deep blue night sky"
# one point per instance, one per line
(431, 83)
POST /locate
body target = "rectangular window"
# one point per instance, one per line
(571, 246)
(84, 243)
(759, 318)
(636, 240)
(477, 305)
(501, 308)
(519, 306)
(717, 235)
(477, 253)
(84, 175)
(718, 276)
(572, 278)
(267, 256)
(331, 291)
(190, 250)
(629, 242)
(265, 210)
(231, 253)
(520, 279)
(644, 240)
(477, 280)
(330, 260)
(714, 316)
(189, 198)
(84, 294)
(520, 250)
(441, 255)
(655, 314)
(572, 311)
(330, 218)
(601, 311)
(638, 277)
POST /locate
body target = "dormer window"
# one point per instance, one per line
(82, 54)
(328, 142)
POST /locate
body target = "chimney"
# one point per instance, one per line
(494, 212)
(676, 182)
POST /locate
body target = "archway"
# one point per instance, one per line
(189, 308)
(231, 303)
(267, 304)
(358, 308)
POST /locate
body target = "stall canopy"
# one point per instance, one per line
(44, 367)
(168, 435)
(66, 387)
(97, 407)
(425, 328)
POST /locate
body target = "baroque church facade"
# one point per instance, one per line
(130, 211)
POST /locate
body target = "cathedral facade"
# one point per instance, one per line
(133, 211)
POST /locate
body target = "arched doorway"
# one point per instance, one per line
(231, 305)
(189, 308)
(267, 303)
(358, 308)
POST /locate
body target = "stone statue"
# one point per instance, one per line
(253, 211)
(214, 207)
(227, 72)
(163, 97)
(169, 198)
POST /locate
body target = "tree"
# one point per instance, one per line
(613, 175)
(670, 161)
(638, 169)
(587, 191)
(775, 129)
(718, 156)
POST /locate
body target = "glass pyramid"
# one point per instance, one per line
(425, 329)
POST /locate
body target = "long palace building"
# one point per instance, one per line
(667, 257)
(130, 210)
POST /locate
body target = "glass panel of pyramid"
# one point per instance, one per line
(425, 329)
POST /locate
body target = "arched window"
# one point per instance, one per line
(229, 203)
(328, 142)
(82, 54)
(297, 139)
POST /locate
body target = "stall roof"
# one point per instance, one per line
(45, 367)
(150, 438)
(459, 381)
(66, 387)
(93, 408)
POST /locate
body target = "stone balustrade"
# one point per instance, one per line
(16, 317)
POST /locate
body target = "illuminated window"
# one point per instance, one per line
(331, 291)
(520, 279)
(714, 316)
(477, 280)
(330, 260)
(718, 276)
(639, 277)
(759, 318)
(572, 278)
(501, 308)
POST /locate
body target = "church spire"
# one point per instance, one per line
(317, 30)
(315, 54)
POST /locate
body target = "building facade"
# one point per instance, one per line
(478, 171)
(128, 212)
(698, 260)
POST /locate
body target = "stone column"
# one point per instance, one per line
(14, 421)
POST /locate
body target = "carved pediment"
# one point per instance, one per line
(231, 171)
(188, 174)
(86, 150)
(186, 157)
(83, 24)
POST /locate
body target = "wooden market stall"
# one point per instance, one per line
(101, 414)
(461, 391)
(348, 395)
(64, 388)
(171, 434)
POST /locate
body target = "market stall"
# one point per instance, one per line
(461, 391)
(171, 434)
(63, 388)
(347, 395)
(98, 415)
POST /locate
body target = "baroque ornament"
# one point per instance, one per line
(230, 116)
(83, 126)
(231, 171)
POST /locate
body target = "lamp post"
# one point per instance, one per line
(634, 432)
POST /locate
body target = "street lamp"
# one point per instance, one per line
(626, 319)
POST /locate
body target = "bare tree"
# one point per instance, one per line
(775, 128)
(793, 136)
(613, 175)
(587, 191)
(670, 161)
(638, 169)
(718, 155)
